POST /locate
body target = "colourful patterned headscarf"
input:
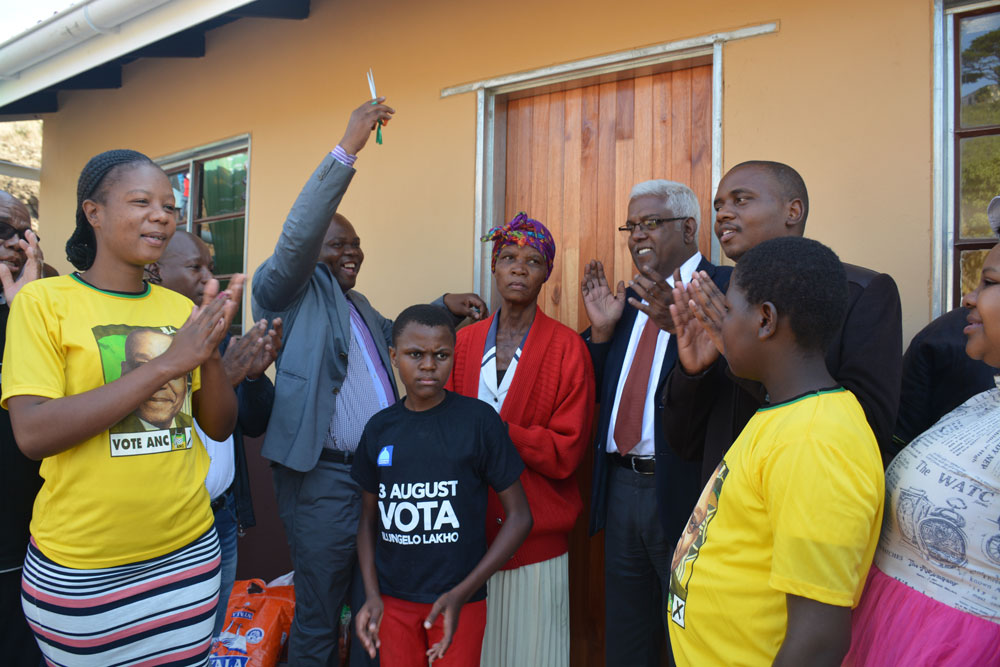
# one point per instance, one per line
(522, 231)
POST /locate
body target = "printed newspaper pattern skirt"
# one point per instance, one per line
(155, 612)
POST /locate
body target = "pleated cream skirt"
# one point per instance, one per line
(527, 616)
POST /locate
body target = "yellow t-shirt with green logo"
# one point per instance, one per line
(137, 490)
(795, 507)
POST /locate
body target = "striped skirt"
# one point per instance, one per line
(156, 612)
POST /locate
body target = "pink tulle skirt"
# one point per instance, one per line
(896, 625)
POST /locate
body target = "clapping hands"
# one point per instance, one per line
(249, 355)
(657, 294)
(604, 307)
(205, 328)
(697, 311)
(32, 269)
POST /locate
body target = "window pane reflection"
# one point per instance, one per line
(979, 65)
(180, 182)
(224, 185)
(979, 162)
(971, 268)
(225, 241)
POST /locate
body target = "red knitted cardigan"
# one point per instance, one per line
(548, 410)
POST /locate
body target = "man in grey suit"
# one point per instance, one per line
(332, 374)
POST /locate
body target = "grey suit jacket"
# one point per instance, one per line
(312, 364)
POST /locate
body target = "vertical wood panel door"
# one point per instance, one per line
(572, 158)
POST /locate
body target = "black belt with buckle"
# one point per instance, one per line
(336, 456)
(643, 465)
(220, 500)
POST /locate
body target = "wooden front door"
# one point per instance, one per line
(572, 158)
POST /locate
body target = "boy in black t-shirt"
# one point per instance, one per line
(424, 465)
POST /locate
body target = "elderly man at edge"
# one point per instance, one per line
(20, 259)
(332, 374)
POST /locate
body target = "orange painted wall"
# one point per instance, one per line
(842, 92)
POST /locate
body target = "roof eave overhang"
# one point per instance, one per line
(106, 43)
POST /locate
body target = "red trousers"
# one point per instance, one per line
(405, 641)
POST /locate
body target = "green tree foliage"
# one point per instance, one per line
(980, 156)
(980, 64)
(982, 59)
(980, 182)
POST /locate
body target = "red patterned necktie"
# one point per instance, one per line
(628, 425)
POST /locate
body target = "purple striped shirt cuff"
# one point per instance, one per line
(343, 157)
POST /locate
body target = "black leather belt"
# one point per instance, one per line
(218, 503)
(638, 464)
(336, 456)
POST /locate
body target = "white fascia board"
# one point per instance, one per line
(74, 25)
(159, 22)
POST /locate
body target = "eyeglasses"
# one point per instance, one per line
(8, 232)
(649, 224)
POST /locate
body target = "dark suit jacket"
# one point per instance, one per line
(19, 480)
(703, 415)
(938, 376)
(678, 484)
(255, 399)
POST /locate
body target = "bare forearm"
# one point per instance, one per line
(215, 406)
(602, 334)
(512, 534)
(366, 553)
(814, 653)
(45, 427)
(818, 634)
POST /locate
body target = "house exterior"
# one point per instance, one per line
(849, 94)
(556, 108)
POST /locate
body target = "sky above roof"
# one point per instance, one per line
(19, 15)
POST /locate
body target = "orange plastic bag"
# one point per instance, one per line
(257, 622)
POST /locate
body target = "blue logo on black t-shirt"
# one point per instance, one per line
(385, 456)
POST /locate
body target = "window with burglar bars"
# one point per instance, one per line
(976, 136)
(210, 187)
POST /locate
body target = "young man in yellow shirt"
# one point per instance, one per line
(779, 545)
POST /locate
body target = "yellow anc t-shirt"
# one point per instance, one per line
(795, 507)
(137, 490)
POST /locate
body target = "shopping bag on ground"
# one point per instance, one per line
(258, 618)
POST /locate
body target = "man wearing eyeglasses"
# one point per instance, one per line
(18, 476)
(15, 226)
(633, 352)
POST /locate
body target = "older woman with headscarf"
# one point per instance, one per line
(537, 375)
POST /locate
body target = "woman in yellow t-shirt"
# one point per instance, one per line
(933, 592)
(102, 375)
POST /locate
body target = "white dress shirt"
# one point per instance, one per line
(222, 466)
(647, 443)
